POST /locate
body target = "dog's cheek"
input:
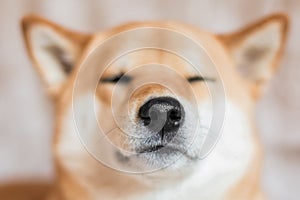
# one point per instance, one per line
(104, 93)
(201, 89)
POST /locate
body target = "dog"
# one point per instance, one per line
(160, 150)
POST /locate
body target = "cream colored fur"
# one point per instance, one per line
(245, 61)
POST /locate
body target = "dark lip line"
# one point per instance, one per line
(157, 147)
(152, 149)
(160, 146)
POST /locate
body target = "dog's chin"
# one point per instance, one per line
(157, 159)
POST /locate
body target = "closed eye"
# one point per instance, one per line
(199, 78)
(116, 78)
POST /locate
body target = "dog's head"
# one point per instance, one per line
(153, 104)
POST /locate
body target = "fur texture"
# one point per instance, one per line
(244, 61)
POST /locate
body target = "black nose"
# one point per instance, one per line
(163, 115)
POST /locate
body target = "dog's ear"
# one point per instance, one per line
(53, 49)
(257, 49)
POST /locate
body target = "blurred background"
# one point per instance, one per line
(26, 119)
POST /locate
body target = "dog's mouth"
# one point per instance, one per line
(162, 149)
(151, 149)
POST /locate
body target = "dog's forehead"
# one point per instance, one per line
(188, 56)
(151, 59)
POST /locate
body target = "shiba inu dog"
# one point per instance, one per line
(155, 109)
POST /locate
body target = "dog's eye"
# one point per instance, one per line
(117, 78)
(199, 78)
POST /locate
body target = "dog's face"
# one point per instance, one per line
(151, 99)
(155, 107)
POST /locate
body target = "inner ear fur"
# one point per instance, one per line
(53, 49)
(257, 49)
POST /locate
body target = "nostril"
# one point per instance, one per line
(175, 115)
(146, 120)
(144, 116)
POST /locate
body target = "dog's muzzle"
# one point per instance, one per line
(163, 116)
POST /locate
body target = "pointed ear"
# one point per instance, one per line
(53, 49)
(256, 49)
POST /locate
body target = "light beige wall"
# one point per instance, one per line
(26, 113)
